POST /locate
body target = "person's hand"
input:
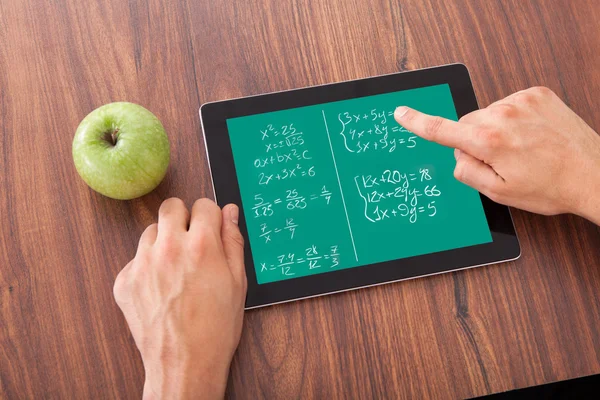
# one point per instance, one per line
(528, 150)
(183, 298)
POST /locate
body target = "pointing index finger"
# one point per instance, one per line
(440, 130)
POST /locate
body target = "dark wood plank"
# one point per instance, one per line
(469, 333)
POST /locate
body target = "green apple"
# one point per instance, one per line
(121, 150)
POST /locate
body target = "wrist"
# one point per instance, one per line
(189, 380)
(589, 204)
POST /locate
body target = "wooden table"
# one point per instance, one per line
(457, 335)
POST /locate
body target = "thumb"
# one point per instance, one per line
(233, 242)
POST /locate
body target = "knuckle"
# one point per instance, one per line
(460, 171)
(495, 195)
(150, 230)
(495, 190)
(491, 137)
(492, 189)
(119, 287)
(526, 97)
(169, 248)
(171, 204)
(533, 95)
(542, 91)
(503, 111)
(174, 202)
(433, 125)
(204, 238)
(206, 203)
(204, 232)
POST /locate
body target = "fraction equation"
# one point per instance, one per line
(293, 200)
(266, 233)
(312, 258)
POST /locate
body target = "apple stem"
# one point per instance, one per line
(111, 137)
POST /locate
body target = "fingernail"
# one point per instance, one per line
(234, 213)
(400, 112)
(457, 154)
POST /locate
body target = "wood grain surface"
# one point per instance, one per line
(457, 335)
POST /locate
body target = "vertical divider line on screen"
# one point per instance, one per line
(339, 184)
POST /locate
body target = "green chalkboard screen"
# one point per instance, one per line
(341, 185)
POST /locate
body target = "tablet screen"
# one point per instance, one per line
(341, 185)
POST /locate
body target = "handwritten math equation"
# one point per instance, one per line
(293, 200)
(374, 131)
(394, 195)
(285, 155)
(313, 257)
(266, 232)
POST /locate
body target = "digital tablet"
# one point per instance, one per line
(335, 195)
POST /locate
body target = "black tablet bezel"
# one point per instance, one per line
(505, 245)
